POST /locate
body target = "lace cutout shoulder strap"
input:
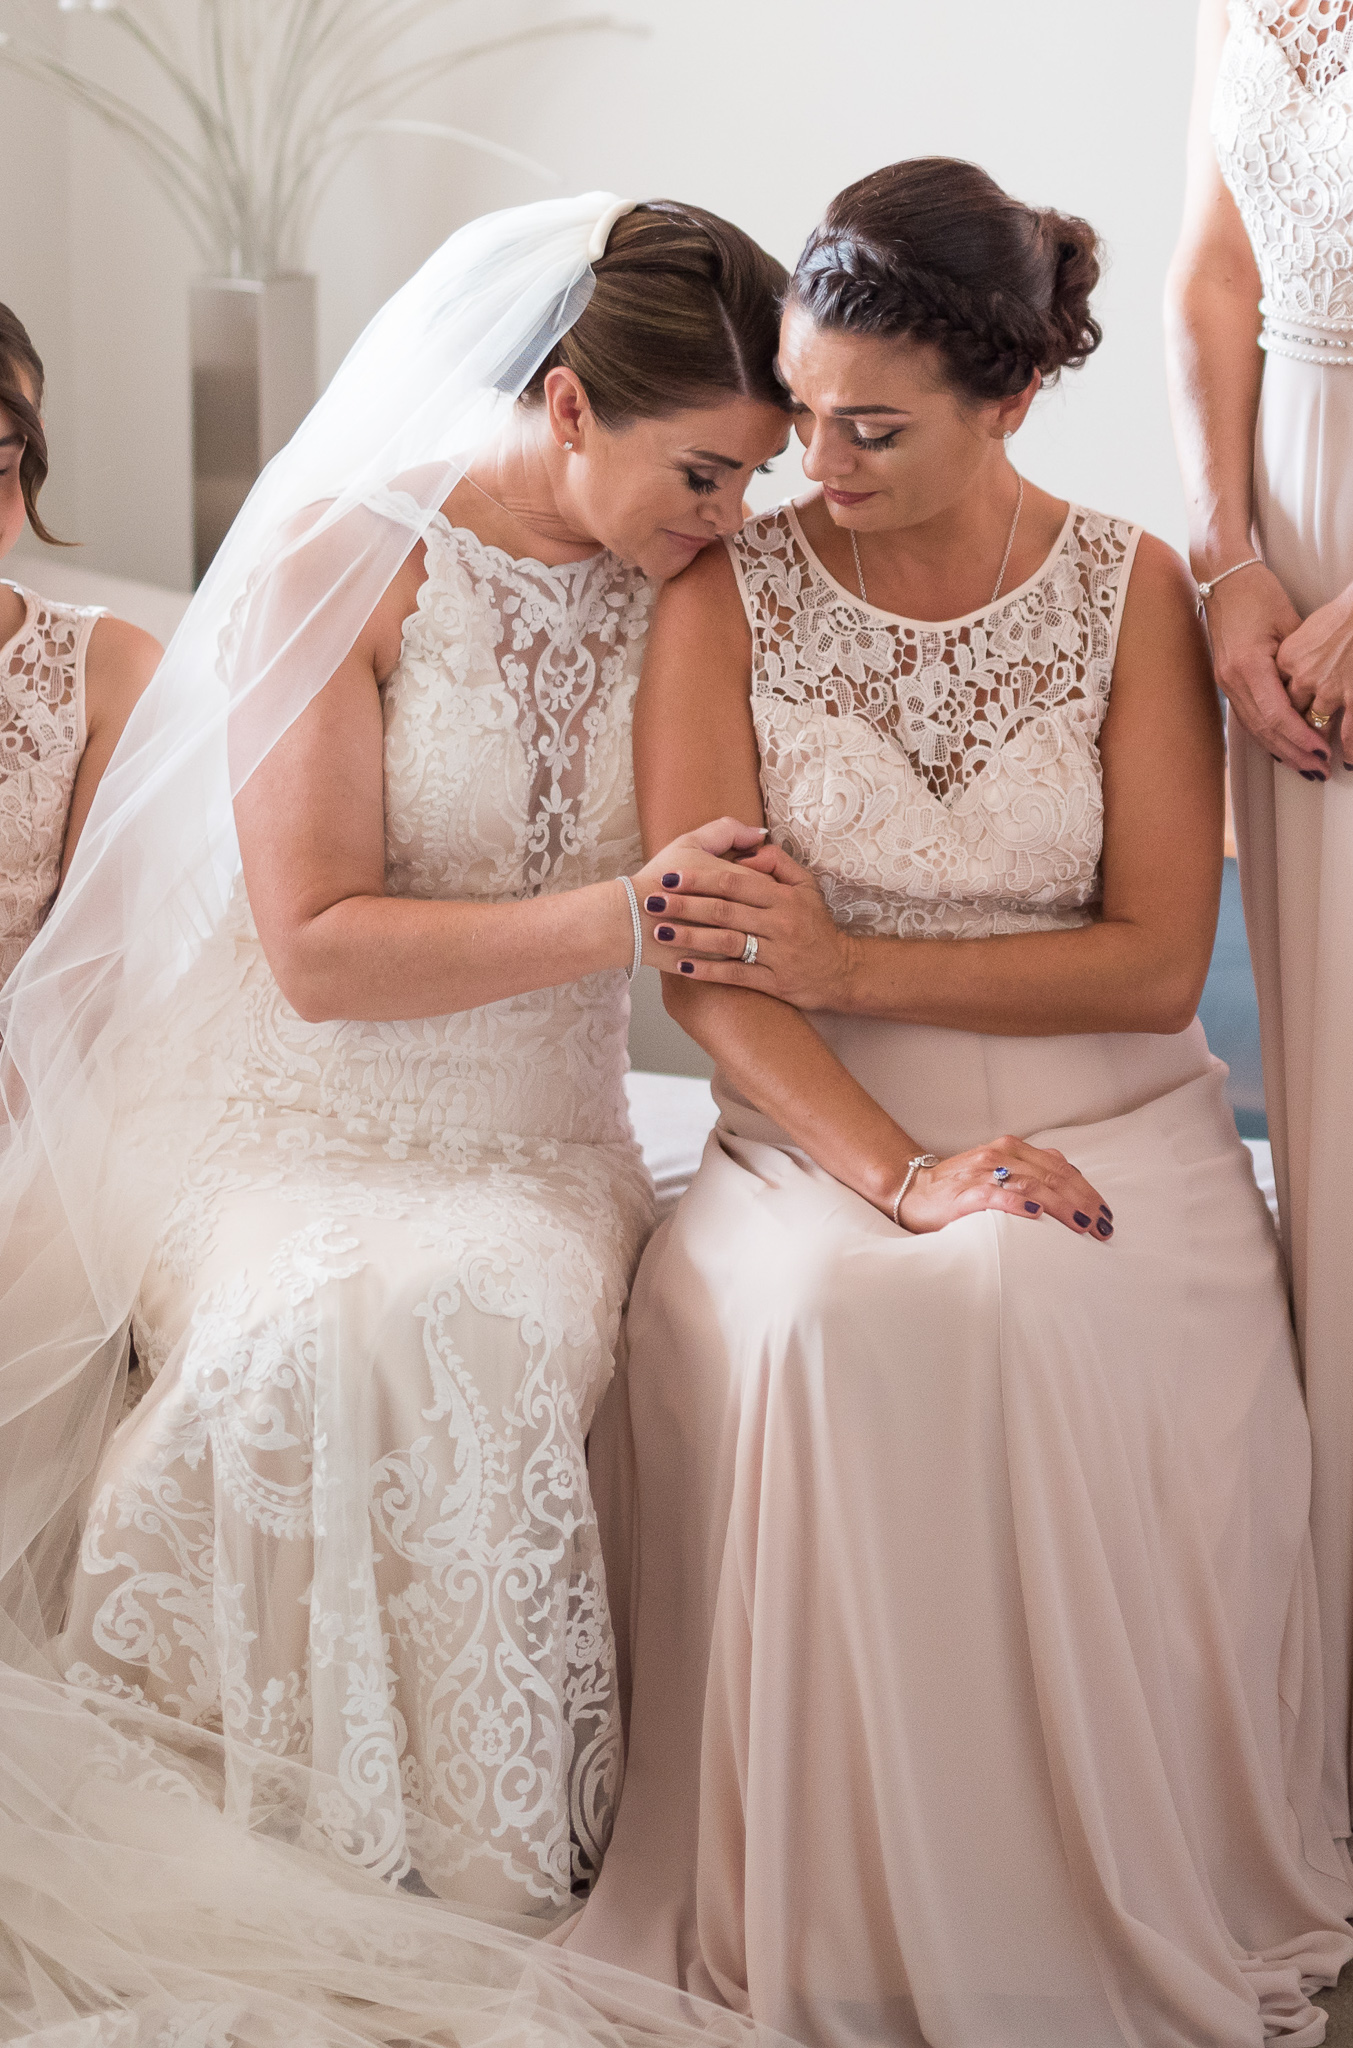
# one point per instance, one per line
(950, 693)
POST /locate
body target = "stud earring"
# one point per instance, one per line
(569, 446)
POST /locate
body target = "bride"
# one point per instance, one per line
(316, 1076)
(976, 1667)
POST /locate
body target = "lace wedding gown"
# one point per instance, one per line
(976, 1674)
(1283, 128)
(350, 1522)
(42, 736)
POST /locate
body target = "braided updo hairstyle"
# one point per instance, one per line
(932, 250)
(685, 311)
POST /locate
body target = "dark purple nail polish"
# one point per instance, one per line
(688, 966)
(1311, 775)
(1321, 755)
(1033, 1207)
(671, 881)
(665, 932)
(1276, 757)
(1104, 1229)
(1105, 1210)
(658, 903)
(1084, 1221)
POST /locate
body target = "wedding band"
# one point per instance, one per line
(749, 952)
(1000, 1174)
(1319, 719)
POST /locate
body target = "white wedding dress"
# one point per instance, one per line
(1282, 124)
(350, 1522)
(976, 1664)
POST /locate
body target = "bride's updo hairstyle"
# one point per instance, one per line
(686, 310)
(932, 250)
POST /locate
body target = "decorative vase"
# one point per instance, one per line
(255, 377)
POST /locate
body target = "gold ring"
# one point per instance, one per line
(1319, 719)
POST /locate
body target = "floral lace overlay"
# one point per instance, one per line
(350, 1521)
(1282, 123)
(937, 778)
(42, 736)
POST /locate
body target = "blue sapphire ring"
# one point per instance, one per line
(1000, 1174)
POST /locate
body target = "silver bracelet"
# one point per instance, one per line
(1205, 590)
(913, 1168)
(637, 961)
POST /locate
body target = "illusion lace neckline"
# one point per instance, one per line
(566, 572)
(932, 625)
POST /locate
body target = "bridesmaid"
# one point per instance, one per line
(1260, 322)
(976, 1675)
(69, 677)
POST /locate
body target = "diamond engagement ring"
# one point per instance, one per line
(749, 952)
(1000, 1174)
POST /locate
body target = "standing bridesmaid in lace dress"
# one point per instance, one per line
(69, 677)
(976, 1676)
(1261, 361)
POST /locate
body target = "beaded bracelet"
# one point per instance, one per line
(913, 1168)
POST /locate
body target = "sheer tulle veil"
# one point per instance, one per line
(156, 1884)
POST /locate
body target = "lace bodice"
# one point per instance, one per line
(937, 778)
(1282, 124)
(42, 736)
(507, 773)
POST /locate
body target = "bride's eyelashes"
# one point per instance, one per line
(876, 440)
(703, 485)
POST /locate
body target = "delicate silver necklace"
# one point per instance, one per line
(1005, 558)
(489, 495)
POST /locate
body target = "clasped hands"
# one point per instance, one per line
(1276, 667)
(702, 911)
(710, 890)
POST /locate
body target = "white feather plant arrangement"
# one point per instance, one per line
(276, 93)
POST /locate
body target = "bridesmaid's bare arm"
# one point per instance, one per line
(119, 661)
(1215, 365)
(695, 757)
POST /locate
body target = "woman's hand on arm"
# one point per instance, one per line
(802, 955)
(696, 754)
(1215, 365)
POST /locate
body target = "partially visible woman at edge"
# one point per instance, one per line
(1259, 320)
(343, 1553)
(976, 1691)
(69, 676)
